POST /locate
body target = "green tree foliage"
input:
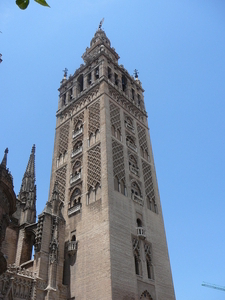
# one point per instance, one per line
(24, 3)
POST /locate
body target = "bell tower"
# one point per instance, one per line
(115, 243)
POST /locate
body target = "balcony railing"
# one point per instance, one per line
(141, 232)
(74, 209)
(72, 247)
(129, 126)
(74, 178)
(77, 151)
(132, 146)
(77, 132)
(134, 170)
(137, 199)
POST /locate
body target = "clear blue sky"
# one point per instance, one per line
(179, 49)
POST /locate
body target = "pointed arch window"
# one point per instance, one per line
(129, 123)
(77, 148)
(137, 260)
(136, 193)
(94, 194)
(151, 204)
(76, 172)
(75, 202)
(78, 129)
(80, 83)
(148, 258)
(131, 143)
(133, 166)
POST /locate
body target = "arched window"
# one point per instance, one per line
(146, 154)
(80, 84)
(75, 198)
(91, 139)
(64, 156)
(133, 165)
(122, 187)
(91, 195)
(113, 130)
(73, 239)
(149, 267)
(97, 192)
(118, 134)
(137, 262)
(131, 143)
(77, 146)
(146, 296)
(97, 135)
(139, 223)
(116, 184)
(151, 204)
(129, 123)
(135, 189)
(76, 167)
(124, 83)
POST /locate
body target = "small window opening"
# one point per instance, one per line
(109, 73)
(73, 239)
(64, 99)
(89, 78)
(139, 99)
(124, 83)
(116, 79)
(97, 73)
(80, 83)
(136, 261)
(139, 223)
(132, 93)
(149, 269)
(71, 94)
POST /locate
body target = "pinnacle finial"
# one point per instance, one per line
(33, 149)
(136, 74)
(55, 189)
(65, 73)
(4, 160)
(28, 181)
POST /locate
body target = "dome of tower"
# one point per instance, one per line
(100, 35)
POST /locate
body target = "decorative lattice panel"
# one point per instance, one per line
(63, 138)
(118, 160)
(115, 116)
(142, 138)
(147, 172)
(79, 118)
(94, 118)
(94, 166)
(61, 178)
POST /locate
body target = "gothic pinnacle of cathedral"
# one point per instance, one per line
(27, 194)
(7, 205)
(101, 234)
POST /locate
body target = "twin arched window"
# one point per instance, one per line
(119, 185)
(75, 198)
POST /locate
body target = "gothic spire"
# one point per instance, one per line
(27, 194)
(28, 182)
(4, 160)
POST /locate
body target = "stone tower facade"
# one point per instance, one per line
(101, 234)
(115, 244)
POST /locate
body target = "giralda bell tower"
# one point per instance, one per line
(115, 243)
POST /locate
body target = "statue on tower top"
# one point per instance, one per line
(100, 24)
